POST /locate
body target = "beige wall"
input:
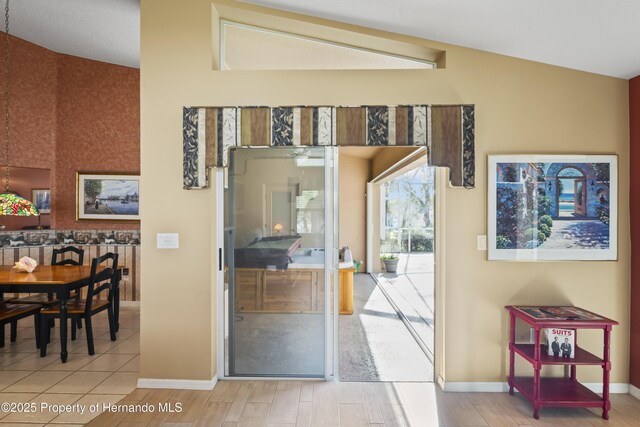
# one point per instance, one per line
(354, 174)
(521, 107)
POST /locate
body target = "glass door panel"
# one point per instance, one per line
(275, 261)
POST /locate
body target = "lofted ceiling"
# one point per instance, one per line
(103, 30)
(597, 36)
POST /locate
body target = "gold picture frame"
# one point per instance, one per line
(107, 196)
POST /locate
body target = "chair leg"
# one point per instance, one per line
(73, 330)
(44, 335)
(79, 323)
(89, 330)
(36, 323)
(14, 330)
(112, 323)
(52, 323)
(1, 335)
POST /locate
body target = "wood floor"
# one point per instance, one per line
(296, 403)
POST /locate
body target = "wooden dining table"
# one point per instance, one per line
(56, 279)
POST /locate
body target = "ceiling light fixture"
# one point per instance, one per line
(11, 203)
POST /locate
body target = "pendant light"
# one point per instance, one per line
(11, 203)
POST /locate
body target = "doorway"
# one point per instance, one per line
(572, 192)
(390, 334)
(280, 311)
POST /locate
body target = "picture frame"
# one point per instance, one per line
(107, 196)
(552, 207)
(41, 198)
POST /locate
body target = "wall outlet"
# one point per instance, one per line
(481, 242)
(125, 271)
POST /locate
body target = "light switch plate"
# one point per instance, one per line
(481, 242)
(167, 241)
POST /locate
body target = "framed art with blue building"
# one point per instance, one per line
(553, 207)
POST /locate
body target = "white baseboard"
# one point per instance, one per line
(178, 384)
(498, 387)
(614, 388)
(130, 304)
(634, 391)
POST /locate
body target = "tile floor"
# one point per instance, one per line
(107, 376)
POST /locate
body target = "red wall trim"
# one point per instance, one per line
(634, 196)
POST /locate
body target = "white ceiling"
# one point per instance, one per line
(104, 30)
(600, 36)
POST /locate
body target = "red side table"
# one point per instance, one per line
(558, 392)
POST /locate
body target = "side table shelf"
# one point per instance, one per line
(563, 391)
(582, 357)
(558, 392)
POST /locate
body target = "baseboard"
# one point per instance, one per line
(487, 387)
(634, 391)
(498, 387)
(130, 304)
(614, 388)
(178, 384)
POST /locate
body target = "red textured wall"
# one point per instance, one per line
(71, 114)
(33, 104)
(634, 124)
(98, 130)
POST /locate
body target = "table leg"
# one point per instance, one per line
(512, 356)
(116, 304)
(537, 366)
(63, 329)
(575, 346)
(606, 403)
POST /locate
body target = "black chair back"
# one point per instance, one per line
(68, 261)
(106, 275)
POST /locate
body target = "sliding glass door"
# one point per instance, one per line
(280, 264)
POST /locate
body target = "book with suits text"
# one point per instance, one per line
(561, 342)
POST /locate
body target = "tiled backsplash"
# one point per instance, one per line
(39, 245)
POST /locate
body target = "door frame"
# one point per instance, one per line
(267, 211)
(442, 178)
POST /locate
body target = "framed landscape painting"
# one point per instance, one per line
(107, 197)
(41, 197)
(553, 207)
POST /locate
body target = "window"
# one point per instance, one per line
(408, 212)
(245, 47)
(310, 211)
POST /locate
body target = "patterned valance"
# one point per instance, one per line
(446, 130)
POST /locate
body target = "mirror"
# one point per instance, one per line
(23, 181)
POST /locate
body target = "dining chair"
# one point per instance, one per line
(49, 299)
(56, 259)
(11, 313)
(99, 282)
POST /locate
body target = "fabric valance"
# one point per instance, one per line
(446, 130)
